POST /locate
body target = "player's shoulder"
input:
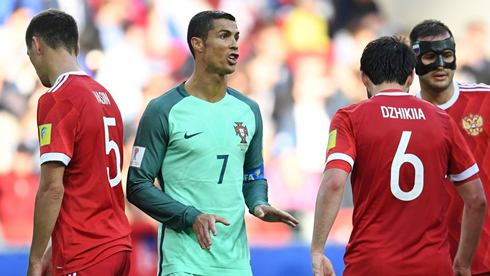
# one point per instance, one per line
(472, 88)
(61, 90)
(167, 100)
(241, 97)
(67, 83)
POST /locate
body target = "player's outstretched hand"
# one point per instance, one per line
(272, 214)
(321, 265)
(205, 223)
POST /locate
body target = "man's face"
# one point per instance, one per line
(221, 47)
(436, 62)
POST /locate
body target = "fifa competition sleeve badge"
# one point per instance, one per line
(137, 156)
(332, 139)
(44, 134)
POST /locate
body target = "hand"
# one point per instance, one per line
(43, 267)
(271, 214)
(47, 264)
(35, 269)
(460, 271)
(205, 223)
(321, 265)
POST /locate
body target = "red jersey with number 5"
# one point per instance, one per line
(80, 125)
(470, 108)
(400, 149)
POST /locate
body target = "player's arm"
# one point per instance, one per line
(327, 207)
(340, 160)
(152, 139)
(254, 182)
(463, 171)
(475, 206)
(46, 209)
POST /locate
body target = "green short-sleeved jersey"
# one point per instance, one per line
(200, 153)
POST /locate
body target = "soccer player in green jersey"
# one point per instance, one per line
(202, 141)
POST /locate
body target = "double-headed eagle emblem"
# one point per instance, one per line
(473, 124)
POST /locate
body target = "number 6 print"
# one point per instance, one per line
(400, 158)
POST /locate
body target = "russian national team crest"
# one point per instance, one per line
(241, 131)
(473, 124)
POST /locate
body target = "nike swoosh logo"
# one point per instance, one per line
(192, 135)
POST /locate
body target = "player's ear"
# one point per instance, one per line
(37, 43)
(197, 44)
(365, 79)
(410, 78)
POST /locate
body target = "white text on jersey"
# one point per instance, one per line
(402, 113)
(102, 97)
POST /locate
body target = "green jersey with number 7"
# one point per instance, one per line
(204, 156)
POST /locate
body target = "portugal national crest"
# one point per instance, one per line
(241, 131)
(473, 124)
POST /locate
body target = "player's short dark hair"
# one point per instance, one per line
(202, 23)
(388, 59)
(56, 28)
(428, 28)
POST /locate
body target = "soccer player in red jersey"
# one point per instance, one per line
(399, 149)
(469, 106)
(80, 201)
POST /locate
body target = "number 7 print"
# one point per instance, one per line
(223, 168)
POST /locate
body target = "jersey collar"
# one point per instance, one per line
(80, 73)
(391, 92)
(451, 101)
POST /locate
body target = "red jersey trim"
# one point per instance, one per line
(473, 87)
(464, 175)
(392, 93)
(62, 78)
(338, 164)
(59, 82)
(55, 156)
(340, 156)
(473, 177)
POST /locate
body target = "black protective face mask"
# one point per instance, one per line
(438, 47)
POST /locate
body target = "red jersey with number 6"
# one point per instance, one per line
(400, 149)
(80, 125)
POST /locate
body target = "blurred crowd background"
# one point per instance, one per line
(299, 59)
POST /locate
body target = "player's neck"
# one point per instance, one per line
(206, 87)
(437, 97)
(61, 63)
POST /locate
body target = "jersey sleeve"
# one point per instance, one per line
(149, 149)
(57, 121)
(255, 185)
(463, 165)
(341, 148)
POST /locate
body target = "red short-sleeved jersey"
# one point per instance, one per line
(400, 149)
(81, 126)
(470, 108)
